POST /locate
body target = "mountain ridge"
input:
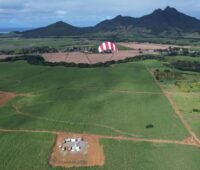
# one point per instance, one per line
(169, 19)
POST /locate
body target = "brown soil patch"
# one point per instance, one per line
(191, 140)
(78, 57)
(4, 56)
(150, 46)
(5, 97)
(91, 156)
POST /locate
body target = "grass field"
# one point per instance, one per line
(114, 100)
(35, 149)
(120, 100)
(19, 43)
(187, 94)
(187, 105)
(32, 149)
(144, 156)
(14, 43)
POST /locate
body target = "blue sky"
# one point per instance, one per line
(34, 13)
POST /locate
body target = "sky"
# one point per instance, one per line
(37, 13)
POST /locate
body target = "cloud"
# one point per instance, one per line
(61, 13)
(83, 12)
(8, 4)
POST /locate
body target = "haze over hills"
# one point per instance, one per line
(168, 20)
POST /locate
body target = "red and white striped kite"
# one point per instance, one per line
(107, 46)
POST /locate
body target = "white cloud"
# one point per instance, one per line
(9, 4)
(61, 13)
(85, 12)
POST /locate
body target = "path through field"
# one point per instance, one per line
(107, 137)
(6, 96)
(176, 110)
(194, 141)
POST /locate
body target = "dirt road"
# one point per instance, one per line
(122, 138)
(176, 110)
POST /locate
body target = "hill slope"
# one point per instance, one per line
(169, 19)
(159, 21)
(57, 29)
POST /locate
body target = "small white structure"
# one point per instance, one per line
(73, 145)
(75, 148)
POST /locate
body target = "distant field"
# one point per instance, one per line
(183, 58)
(148, 46)
(19, 43)
(14, 43)
(79, 57)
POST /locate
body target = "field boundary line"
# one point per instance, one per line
(134, 92)
(183, 93)
(175, 108)
(119, 138)
(74, 123)
(184, 122)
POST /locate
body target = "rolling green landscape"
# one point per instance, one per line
(92, 98)
(123, 94)
(119, 100)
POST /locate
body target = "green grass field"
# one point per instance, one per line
(143, 156)
(19, 43)
(186, 94)
(187, 103)
(14, 43)
(25, 151)
(97, 100)
(120, 100)
(34, 149)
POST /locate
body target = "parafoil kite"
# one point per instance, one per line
(107, 46)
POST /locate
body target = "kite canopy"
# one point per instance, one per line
(107, 46)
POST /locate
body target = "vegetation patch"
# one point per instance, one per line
(196, 110)
(38, 60)
(186, 65)
(166, 75)
(188, 85)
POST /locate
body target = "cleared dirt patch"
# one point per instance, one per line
(5, 97)
(91, 156)
(150, 46)
(191, 140)
(4, 56)
(78, 57)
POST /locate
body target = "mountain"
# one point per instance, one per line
(158, 21)
(57, 29)
(168, 20)
(117, 23)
